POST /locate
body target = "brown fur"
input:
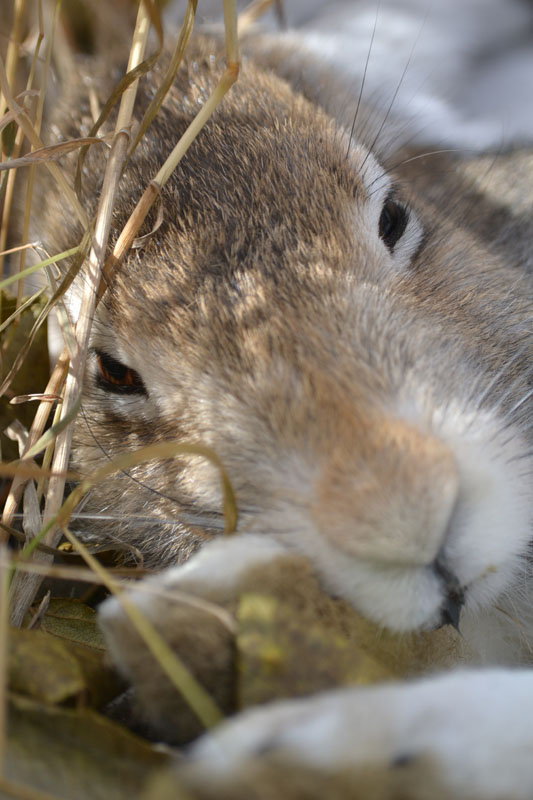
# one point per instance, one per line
(262, 306)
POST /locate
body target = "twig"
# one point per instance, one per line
(72, 393)
(4, 629)
(36, 430)
(26, 125)
(38, 123)
(130, 230)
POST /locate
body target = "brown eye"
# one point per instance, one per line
(392, 223)
(113, 376)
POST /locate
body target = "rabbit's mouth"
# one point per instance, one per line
(454, 595)
(437, 533)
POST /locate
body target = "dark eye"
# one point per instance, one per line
(392, 223)
(116, 377)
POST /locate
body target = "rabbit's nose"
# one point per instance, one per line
(387, 493)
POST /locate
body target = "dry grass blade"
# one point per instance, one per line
(51, 153)
(54, 431)
(29, 131)
(140, 241)
(42, 484)
(151, 452)
(126, 89)
(199, 701)
(18, 248)
(135, 62)
(256, 9)
(22, 538)
(22, 596)
(35, 267)
(28, 470)
(170, 75)
(227, 80)
(29, 398)
(114, 547)
(4, 628)
(10, 187)
(74, 574)
(12, 317)
(23, 591)
(37, 124)
(128, 235)
(132, 227)
(160, 450)
(13, 47)
(60, 291)
(38, 425)
(10, 116)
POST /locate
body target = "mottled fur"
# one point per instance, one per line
(269, 321)
(370, 401)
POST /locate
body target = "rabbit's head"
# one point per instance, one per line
(354, 353)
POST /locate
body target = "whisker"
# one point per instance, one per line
(478, 402)
(392, 102)
(409, 160)
(521, 402)
(125, 472)
(520, 456)
(352, 130)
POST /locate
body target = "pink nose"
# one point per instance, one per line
(387, 493)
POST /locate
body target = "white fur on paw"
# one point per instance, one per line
(214, 572)
(477, 727)
(218, 567)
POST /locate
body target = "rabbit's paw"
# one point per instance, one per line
(188, 608)
(460, 735)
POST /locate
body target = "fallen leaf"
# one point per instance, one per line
(53, 671)
(72, 620)
(75, 755)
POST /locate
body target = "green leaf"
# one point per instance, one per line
(9, 134)
(70, 619)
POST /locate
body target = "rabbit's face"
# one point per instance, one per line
(338, 343)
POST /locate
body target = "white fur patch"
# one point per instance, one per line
(486, 715)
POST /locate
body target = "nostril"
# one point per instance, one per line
(454, 595)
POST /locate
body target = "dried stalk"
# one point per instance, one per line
(179, 674)
(24, 590)
(13, 47)
(175, 61)
(140, 38)
(24, 122)
(227, 80)
(10, 186)
(4, 630)
(133, 225)
(122, 246)
(255, 10)
(31, 176)
(36, 430)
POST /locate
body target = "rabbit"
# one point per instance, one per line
(345, 320)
